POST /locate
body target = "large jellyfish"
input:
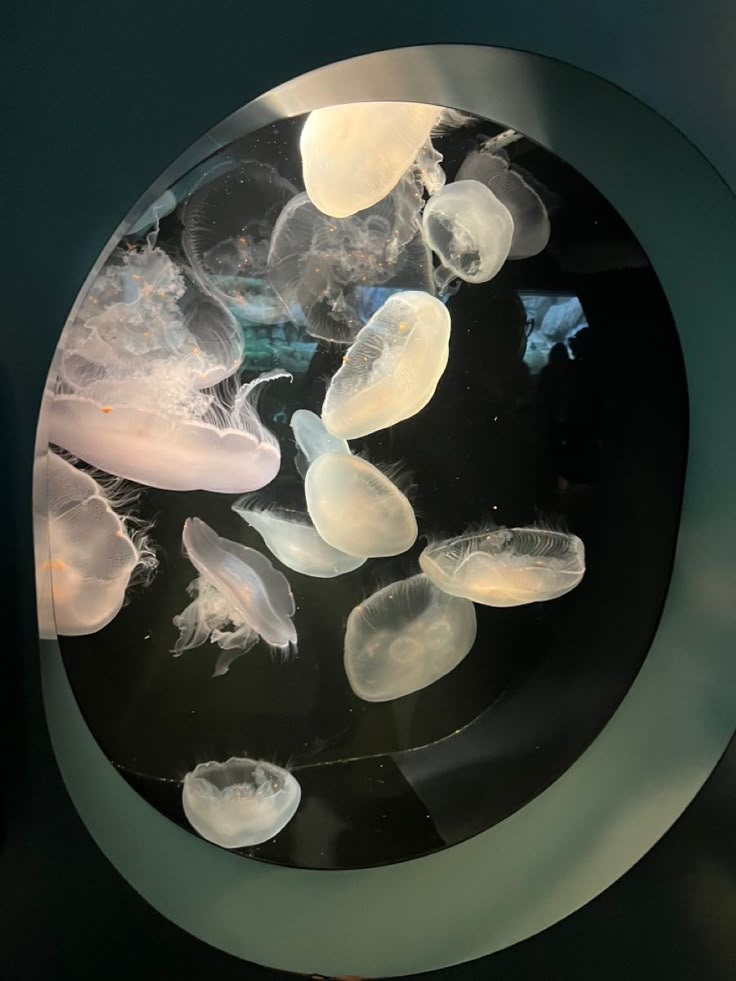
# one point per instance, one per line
(91, 555)
(324, 268)
(404, 637)
(506, 566)
(167, 435)
(354, 155)
(531, 222)
(293, 539)
(392, 369)
(312, 440)
(357, 509)
(239, 587)
(241, 802)
(227, 232)
(470, 230)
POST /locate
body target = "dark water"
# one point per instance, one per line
(597, 447)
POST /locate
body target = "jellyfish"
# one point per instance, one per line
(392, 369)
(241, 802)
(322, 268)
(292, 538)
(237, 587)
(163, 434)
(227, 230)
(405, 637)
(92, 552)
(358, 509)
(313, 439)
(506, 566)
(531, 222)
(470, 230)
(354, 155)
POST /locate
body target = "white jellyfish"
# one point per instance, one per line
(470, 230)
(405, 637)
(531, 221)
(241, 802)
(167, 435)
(392, 369)
(293, 539)
(237, 587)
(354, 155)
(322, 268)
(357, 509)
(506, 566)
(227, 231)
(86, 553)
(312, 439)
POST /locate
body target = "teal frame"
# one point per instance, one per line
(624, 792)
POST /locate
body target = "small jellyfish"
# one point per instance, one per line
(171, 436)
(506, 566)
(312, 440)
(92, 555)
(405, 637)
(354, 155)
(392, 369)
(239, 587)
(357, 509)
(531, 221)
(470, 230)
(227, 231)
(241, 802)
(293, 539)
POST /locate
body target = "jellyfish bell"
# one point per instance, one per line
(470, 230)
(405, 637)
(293, 539)
(241, 802)
(358, 509)
(531, 221)
(506, 566)
(169, 437)
(313, 439)
(392, 369)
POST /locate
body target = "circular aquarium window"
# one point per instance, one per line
(367, 450)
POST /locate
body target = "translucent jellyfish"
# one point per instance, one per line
(238, 588)
(405, 637)
(357, 509)
(322, 267)
(227, 231)
(506, 566)
(241, 802)
(392, 369)
(531, 222)
(92, 554)
(313, 439)
(470, 230)
(292, 538)
(354, 155)
(168, 435)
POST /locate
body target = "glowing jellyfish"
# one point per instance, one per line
(166, 436)
(470, 230)
(91, 556)
(241, 802)
(506, 566)
(313, 439)
(531, 222)
(227, 231)
(292, 538)
(357, 509)
(239, 587)
(354, 155)
(323, 268)
(392, 369)
(405, 637)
